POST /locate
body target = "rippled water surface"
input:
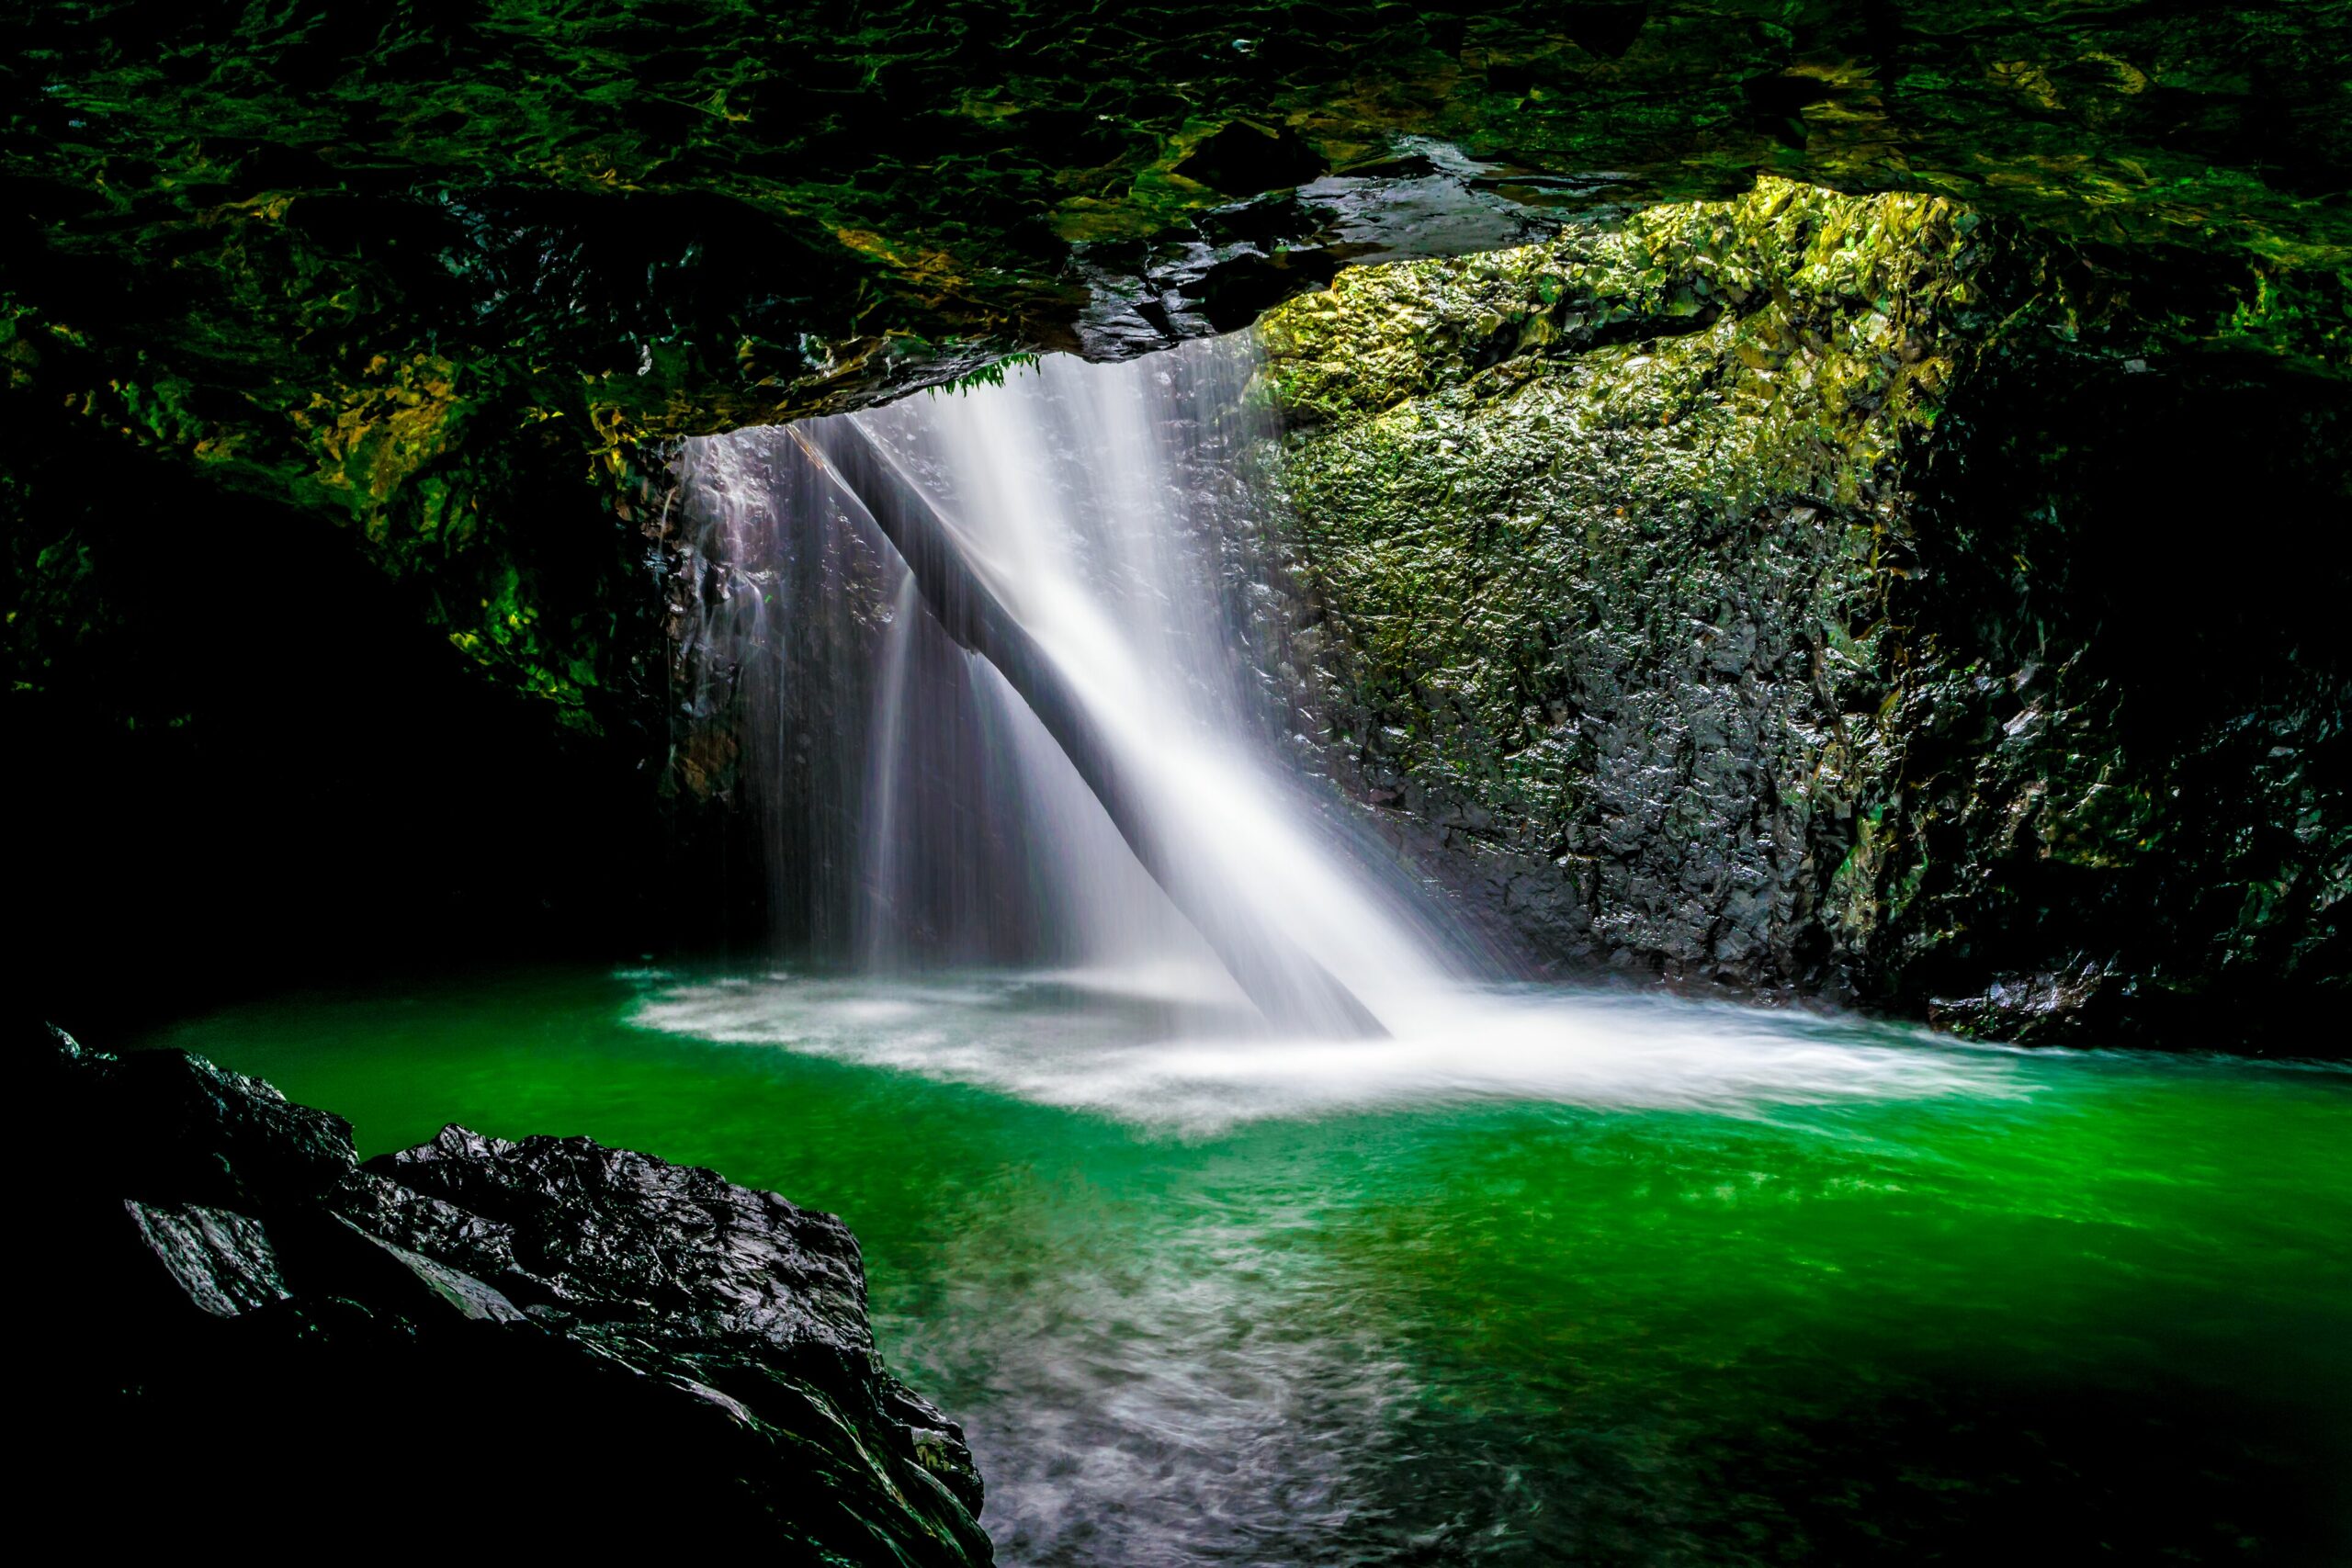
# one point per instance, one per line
(1548, 1277)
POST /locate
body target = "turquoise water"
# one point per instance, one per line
(1568, 1278)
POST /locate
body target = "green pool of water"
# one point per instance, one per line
(1555, 1279)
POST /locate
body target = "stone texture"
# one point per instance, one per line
(436, 281)
(1728, 594)
(542, 1346)
(1593, 524)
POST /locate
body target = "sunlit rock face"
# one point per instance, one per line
(1821, 592)
(1594, 523)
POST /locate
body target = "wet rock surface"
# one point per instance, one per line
(534, 1346)
(1822, 593)
(1592, 526)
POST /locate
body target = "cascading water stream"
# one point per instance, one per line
(880, 829)
(1007, 612)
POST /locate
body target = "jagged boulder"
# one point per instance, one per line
(537, 1346)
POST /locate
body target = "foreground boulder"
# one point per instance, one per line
(471, 1345)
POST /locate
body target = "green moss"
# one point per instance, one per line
(449, 278)
(360, 257)
(1700, 579)
(1490, 443)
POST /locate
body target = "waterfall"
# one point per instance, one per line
(978, 663)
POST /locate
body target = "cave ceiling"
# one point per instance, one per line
(417, 268)
(718, 211)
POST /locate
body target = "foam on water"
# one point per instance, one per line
(1005, 935)
(1889, 1298)
(1152, 1049)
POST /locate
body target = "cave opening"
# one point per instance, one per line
(1555, 784)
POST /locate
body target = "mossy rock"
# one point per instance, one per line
(1753, 593)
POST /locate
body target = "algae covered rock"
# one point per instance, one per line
(1760, 594)
(1595, 524)
(368, 324)
(438, 273)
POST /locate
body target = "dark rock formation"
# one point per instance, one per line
(1831, 594)
(539, 1347)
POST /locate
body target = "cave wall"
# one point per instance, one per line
(1831, 595)
(342, 346)
(237, 753)
(2122, 805)
(436, 273)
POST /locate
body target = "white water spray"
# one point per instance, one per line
(1072, 494)
(927, 820)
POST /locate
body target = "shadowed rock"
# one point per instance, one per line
(539, 1346)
